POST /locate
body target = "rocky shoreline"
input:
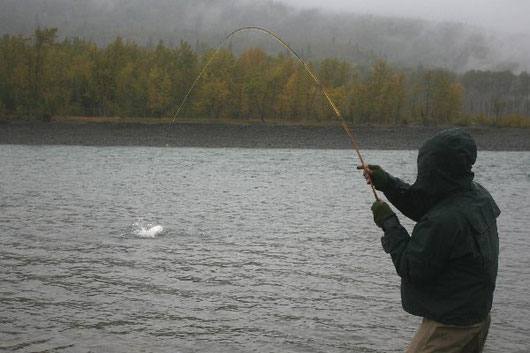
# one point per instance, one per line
(247, 136)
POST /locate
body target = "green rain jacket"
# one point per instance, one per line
(449, 265)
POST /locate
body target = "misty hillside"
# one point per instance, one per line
(314, 34)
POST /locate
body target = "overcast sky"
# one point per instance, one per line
(499, 15)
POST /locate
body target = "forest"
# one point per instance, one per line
(41, 75)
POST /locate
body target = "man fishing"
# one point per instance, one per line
(448, 266)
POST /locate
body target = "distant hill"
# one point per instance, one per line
(314, 34)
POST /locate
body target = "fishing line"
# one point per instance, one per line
(307, 68)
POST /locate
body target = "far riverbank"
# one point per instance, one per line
(246, 136)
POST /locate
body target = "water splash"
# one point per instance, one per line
(142, 229)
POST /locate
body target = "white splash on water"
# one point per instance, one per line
(146, 230)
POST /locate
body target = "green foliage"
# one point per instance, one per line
(513, 121)
(39, 75)
(465, 121)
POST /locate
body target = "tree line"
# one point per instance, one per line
(74, 77)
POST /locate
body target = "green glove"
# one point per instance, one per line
(381, 212)
(374, 174)
(379, 176)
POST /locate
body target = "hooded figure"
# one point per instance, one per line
(448, 265)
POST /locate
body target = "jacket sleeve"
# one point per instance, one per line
(421, 257)
(408, 201)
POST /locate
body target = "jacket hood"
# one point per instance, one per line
(444, 164)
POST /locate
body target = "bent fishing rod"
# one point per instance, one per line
(309, 71)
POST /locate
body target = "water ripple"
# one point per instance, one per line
(262, 250)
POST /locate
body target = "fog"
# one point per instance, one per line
(456, 36)
(510, 16)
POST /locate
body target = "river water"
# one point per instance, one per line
(262, 250)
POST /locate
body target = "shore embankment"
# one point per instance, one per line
(246, 135)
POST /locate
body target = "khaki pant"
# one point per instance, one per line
(434, 337)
